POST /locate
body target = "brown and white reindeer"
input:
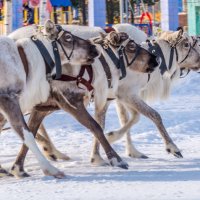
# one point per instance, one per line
(138, 59)
(24, 84)
(185, 56)
(130, 99)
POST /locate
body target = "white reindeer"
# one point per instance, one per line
(157, 87)
(21, 91)
(143, 60)
(132, 100)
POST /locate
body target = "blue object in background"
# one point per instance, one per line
(60, 3)
(180, 5)
(17, 15)
(169, 15)
(97, 13)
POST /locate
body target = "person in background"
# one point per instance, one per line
(30, 14)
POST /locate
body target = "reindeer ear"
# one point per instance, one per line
(50, 29)
(102, 35)
(180, 33)
(176, 36)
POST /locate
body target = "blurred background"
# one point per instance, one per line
(152, 16)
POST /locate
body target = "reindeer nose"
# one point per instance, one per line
(152, 64)
(93, 51)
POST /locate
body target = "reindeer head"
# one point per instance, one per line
(137, 58)
(72, 48)
(188, 57)
(187, 54)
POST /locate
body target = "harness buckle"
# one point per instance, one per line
(34, 38)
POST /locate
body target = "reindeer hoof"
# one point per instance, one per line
(172, 148)
(178, 154)
(57, 156)
(4, 173)
(59, 174)
(121, 164)
(140, 156)
(97, 160)
(18, 173)
(144, 157)
(22, 175)
(52, 157)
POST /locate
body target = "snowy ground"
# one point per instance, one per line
(162, 176)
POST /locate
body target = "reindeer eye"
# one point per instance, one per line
(68, 38)
(186, 44)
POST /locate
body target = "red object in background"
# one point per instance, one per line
(34, 3)
(149, 17)
(25, 1)
(109, 29)
(49, 6)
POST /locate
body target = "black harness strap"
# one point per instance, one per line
(121, 63)
(67, 56)
(113, 57)
(185, 56)
(171, 57)
(157, 51)
(57, 60)
(136, 54)
(107, 70)
(49, 63)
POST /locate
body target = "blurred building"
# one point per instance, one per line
(193, 8)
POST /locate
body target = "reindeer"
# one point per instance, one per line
(26, 81)
(131, 99)
(186, 57)
(72, 100)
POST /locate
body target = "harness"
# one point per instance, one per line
(182, 75)
(49, 63)
(118, 61)
(157, 51)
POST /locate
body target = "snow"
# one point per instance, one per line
(160, 177)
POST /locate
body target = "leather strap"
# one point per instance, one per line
(171, 57)
(157, 51)
(121, 63)
(113, 57)
(57, 60)
(79, 79)
(106, 69)
(45, 54)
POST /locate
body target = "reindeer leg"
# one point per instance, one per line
(34, 122)
(49, 150)
(2, 121)
(96, 158)
(140, 106)
(3, 172)
(73, 103)
(126, 124)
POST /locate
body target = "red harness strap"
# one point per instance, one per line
(79, 79)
